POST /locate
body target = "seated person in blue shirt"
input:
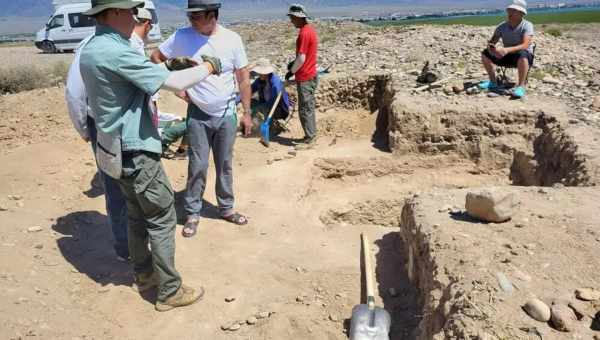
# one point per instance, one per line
(268, 85)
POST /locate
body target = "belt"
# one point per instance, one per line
(134, 153)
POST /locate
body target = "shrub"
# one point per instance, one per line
(555, 32)
(25, 78)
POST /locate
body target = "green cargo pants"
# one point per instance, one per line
(306, 106)
(151, 217)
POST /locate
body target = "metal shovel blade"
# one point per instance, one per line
(264, 132)
(369, 324)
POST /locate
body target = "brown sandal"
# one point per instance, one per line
(236, 218)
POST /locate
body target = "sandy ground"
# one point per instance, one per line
(59, 278)
(19, 56)
(285, 255)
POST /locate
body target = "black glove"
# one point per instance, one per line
(214, 62)
(180, 63)
(288, 75)
(290, 65)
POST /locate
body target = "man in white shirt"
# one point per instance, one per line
(141, 30)
(212, 117)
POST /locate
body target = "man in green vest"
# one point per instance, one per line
(119, 83)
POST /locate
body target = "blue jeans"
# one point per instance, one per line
(205, 133)
(116, 206)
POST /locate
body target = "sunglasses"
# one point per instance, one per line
(204, 15)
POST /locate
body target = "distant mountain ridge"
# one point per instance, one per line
(36, 8)
(43, 8)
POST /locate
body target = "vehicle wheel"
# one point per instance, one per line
(48, 46)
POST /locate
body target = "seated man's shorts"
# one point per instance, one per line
(509, 60)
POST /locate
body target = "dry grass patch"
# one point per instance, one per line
(29, 77)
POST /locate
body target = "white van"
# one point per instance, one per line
(68, 26)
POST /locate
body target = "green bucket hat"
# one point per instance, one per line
(101, 5)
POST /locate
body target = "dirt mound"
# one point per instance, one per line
(353, 167)
(377, 212)
(454, 261)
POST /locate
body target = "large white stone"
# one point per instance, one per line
(490, 205)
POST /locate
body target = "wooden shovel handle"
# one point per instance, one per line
(275, 104)
(368, 272)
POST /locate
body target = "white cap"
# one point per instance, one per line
(143, 14)
(262, 66)
(519, 5)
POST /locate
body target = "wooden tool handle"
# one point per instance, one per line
(368, 272)
(275, 104)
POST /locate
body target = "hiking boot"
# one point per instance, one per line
(488, 85)
(518, 92)
(145, 281)
(184, 296)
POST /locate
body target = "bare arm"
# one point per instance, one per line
(157, 57)
(524, 45)
(300, 59)
(243, 78)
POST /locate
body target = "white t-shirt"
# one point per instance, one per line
(215, 94)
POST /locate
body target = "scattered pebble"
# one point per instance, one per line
(39, 246)
(587, 294)
(580, 309)
(300, 298)
(230, 299)
(262, 315)
(251, 320)
(334, 318)
(504, 283)
(34, 229)
(231, 327)
(537, 309)
(3, 207)
(562, 317)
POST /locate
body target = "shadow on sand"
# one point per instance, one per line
(87, 244)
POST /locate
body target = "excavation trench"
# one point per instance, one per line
(530, 147)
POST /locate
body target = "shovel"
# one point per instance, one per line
(264, 127)
(369, 322)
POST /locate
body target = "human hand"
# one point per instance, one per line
(183, 95)
(247, 124)
(214, 62)
(180, 63)
(499, 51)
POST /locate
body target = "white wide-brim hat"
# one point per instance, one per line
(262, 66)
(519, 5)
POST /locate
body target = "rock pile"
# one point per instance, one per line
(564, 68)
